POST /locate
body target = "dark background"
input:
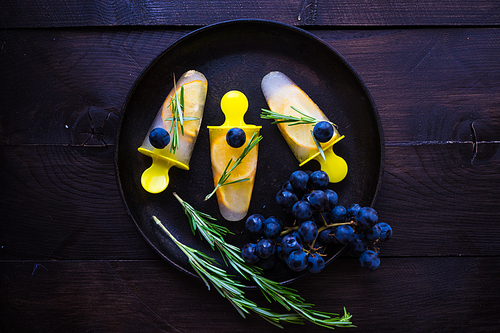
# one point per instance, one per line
(71, 259)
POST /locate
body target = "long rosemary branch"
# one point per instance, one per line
(272, 290)
(226, 285)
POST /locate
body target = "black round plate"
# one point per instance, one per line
(237, 55)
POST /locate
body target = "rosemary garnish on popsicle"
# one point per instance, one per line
(227, 171)
(177, 120)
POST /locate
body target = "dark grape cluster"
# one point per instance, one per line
(317, 220)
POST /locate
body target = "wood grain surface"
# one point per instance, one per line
(71, 260)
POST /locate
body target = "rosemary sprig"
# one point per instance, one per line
(226, 285)
(227, 171)
(291, 120)
(177, 120)
(272, 290)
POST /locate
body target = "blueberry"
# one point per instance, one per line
(255, 224)
(236, 137)
(299, 180)
(332, 197)
(358, 245)
(249, 253)
(159, 138)
(302, 210)
(385, 231)
(289, 243)
(318, 180)
(344, 234)
(297, 261)
(272, 227)
(323, 131)
(353, 209)
(265, 248)
(373, 233)
(308, 231)
(338, 213)
(369, 260)
(327, 236)
(316, 263)
(286, 198)
(318, 200)
(366, 217)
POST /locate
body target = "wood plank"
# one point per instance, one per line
(73, 190)
(429, 85)
(63, 203)
(38, 14)
(404, 295)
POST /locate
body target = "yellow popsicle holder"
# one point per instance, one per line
(234, 105)
(334, 166)
(155, 179)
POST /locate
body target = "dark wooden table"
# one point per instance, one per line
(71, 260)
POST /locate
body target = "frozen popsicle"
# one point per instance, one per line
(234, 198)
(167, 142)
(283, 96)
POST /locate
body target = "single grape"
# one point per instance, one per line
(327, 236)
(373, 233)
(286, 198)
(369, 260)
(159, 138)
(265, 248)
(302, 210)
(298, 180)
(316, 263)
(318, 180)
(308, 231)
(272, 227)
(338, 213)
(344, 234)
(290, 243)
(358, 245)
(352, 210)
(236, 137)
(366, 217)
(249, 253)
(332, 197)
(323, 131)
(318, 200)
(255, 224)
(297, 261)
(385, 231)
